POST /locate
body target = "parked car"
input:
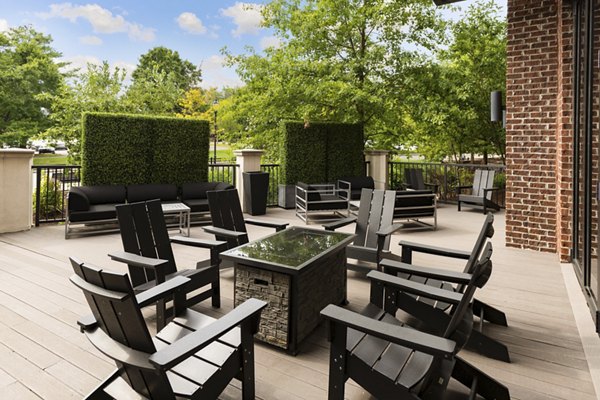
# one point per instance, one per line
(46, 150)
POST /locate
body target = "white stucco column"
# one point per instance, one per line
(16, 190)
(248, 161)
(378, 167)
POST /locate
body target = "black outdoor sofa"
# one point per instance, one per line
(94, 206)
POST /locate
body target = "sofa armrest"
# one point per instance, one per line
(77, 200)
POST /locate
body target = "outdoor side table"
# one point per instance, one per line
(182, 212)
(298, 272)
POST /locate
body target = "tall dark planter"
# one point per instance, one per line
(256, 188)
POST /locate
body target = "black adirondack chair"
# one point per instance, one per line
(414, 180)
(150, 260)
(373, 229)
(193, 357)
(433, 313)
(228, 223)
(391, 360)
(481, 191)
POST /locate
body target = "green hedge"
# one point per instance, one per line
(321, 152)
(131, 149)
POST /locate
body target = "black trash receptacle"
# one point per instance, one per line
(256, 188)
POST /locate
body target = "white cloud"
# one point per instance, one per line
(246, 16)
(79, 62)
(215, 74)
(101, 19)
(4, 25)
(91, 40)
(270, 41)
(190, 23)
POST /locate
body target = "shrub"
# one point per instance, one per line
(51, 198)
(136, 149)
(321, 152)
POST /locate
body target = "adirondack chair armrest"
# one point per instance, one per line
(224, 232)
(434, 250)
(415, 288)
(400, 335)
(433, 185)
(332, 226)
(181, 349)
(87, 322)
(203, 243)
(492, 189)
(427, 272)
(162, 290)
(118, 352)
(277, 225)
(388, 230)
(137, 260)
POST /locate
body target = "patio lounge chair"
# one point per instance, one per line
(481, 191)
(193, 357)
(228, 222)
(391, 360)
(373, 229)
(433, 312)
(321, 199)
(149, 256)
(413, 180)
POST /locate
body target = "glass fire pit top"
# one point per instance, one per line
(292, 247)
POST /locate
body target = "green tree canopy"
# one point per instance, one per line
(29, 72)
(185, 74)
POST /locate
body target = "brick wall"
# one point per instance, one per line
(532, 96)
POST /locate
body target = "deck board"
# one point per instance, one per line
(43, 354)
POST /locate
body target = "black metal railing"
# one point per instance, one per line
(449, 177)
(222, 173)
(274, 171)
(51, 185)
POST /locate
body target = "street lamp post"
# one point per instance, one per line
(215, 103)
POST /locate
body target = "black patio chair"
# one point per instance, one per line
(228, 222)
(150, 259)
(481, 191)
(413, 180)
(433, 313)
(391, 360)
(373, 229)
(194, 356)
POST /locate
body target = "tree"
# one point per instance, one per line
(339, 60)
(154, 92)
(166, 61)
(29, 72)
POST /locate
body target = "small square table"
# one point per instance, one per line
(298, 272)
(183, 212)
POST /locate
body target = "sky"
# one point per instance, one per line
(121, 31)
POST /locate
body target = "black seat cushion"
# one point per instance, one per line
(197, 205)
(96, 212)
(197, 190)
(328, 202)
(164, 192)
(357, 184)
(313, 194)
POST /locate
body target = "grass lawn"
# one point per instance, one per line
(49, 159)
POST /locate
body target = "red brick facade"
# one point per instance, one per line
(539, 132)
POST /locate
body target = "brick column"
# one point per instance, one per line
(378, 167)
(16, 198)
(248, 161)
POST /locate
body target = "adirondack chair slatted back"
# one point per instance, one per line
(461, 322)
(376, 211)
(114, 306)
(487, 232)
(226, 213)
(483, 179)
(414, 178)
(144, 232)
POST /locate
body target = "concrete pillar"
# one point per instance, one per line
(378, 167)
(16, 196)
(248, 161)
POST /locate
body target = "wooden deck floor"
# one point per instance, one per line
(43, 354)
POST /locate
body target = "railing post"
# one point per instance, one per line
(378, 167)
(248, 160)
(445, 182)
(15, 190)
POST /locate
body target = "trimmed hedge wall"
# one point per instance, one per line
(136, 149)
(321, 152)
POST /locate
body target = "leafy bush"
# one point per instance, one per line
(321, 152)
(51, 197)
(136, 149)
